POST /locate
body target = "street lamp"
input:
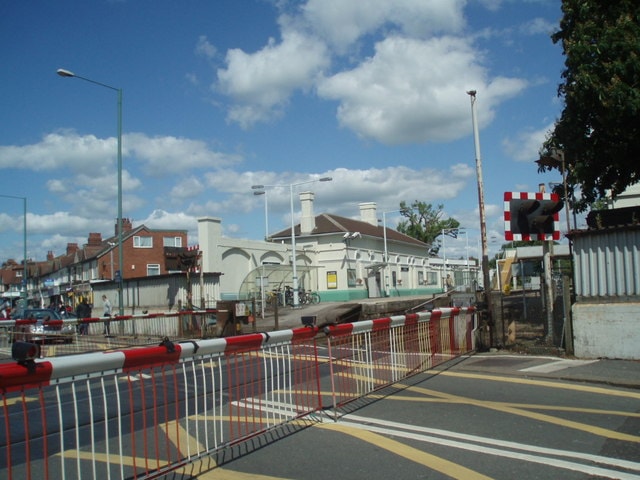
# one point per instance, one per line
(296, 297)
(483, 222)
(66, 73)
(266, 211)
(24, 243)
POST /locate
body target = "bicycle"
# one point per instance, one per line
(273, 298)
(309, 298)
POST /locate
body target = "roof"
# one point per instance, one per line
(327, 224)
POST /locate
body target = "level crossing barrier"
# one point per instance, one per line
(72, 335)
(148, 411)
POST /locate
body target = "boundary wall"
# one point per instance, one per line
(149, 411)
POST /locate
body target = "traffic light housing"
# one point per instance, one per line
(531, 216)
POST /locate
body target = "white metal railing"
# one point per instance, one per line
(143, 412)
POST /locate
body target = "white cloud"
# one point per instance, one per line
(413, 90)
(261, 83)
(95, 157)
(538, 26)
(62, 149)
(187, 188)
(526, 145)
(204, 48)
(161, 155)
(342, 23)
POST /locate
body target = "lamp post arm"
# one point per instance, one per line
(67, 73)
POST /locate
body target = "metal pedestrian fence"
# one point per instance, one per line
(148, 411)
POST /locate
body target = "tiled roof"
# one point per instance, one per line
(327, 224)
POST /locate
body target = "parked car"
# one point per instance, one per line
(42, 325)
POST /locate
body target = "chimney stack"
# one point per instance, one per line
(368, 213)
(308, 219)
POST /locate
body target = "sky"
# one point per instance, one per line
(221, 95)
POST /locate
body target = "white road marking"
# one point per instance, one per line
(557, 365)
(512, 450)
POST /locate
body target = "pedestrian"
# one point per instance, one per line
(6, 310)
(106, 305)
(83, 310)
(449, 282)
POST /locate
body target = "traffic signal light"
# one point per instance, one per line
(531, 216)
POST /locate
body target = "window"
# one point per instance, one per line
(351, 277)
(142, 242)
(172, 241)
(153, 269)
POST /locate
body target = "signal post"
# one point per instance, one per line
(530, 217)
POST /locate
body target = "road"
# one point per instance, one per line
(495, 416)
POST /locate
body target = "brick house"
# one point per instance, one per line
(69, 276)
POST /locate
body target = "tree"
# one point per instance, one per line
(423, 222)
(598, 130)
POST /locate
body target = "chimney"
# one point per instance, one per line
(72, 248)
(95, 239)
(308, 219)
(368, 213)
(126, 226)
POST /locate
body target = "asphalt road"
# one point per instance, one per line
(485, 416)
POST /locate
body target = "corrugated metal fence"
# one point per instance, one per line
(606, 263)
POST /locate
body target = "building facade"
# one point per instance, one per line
(67, 277)
(340, 258)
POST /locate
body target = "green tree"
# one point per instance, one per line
(424, 222)
(598, 130)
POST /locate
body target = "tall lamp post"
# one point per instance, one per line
(486, 280)
(296, 298)
(66, 73)
(24, 243)
(266, 210)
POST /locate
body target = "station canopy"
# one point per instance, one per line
(266, 278)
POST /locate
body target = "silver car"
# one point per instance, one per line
(42, 325)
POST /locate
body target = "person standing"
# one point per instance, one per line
(83, 310)
(6, 311)
(106, 304)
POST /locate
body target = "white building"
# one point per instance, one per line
(340, 258)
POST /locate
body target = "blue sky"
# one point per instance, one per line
(221, 95)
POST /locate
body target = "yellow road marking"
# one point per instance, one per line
(222, 474)
(194, 447)
(541, 383)
(428, 460)
(515, 409)
(532, 406)
(16, 400)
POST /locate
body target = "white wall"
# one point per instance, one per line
(606, 330)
